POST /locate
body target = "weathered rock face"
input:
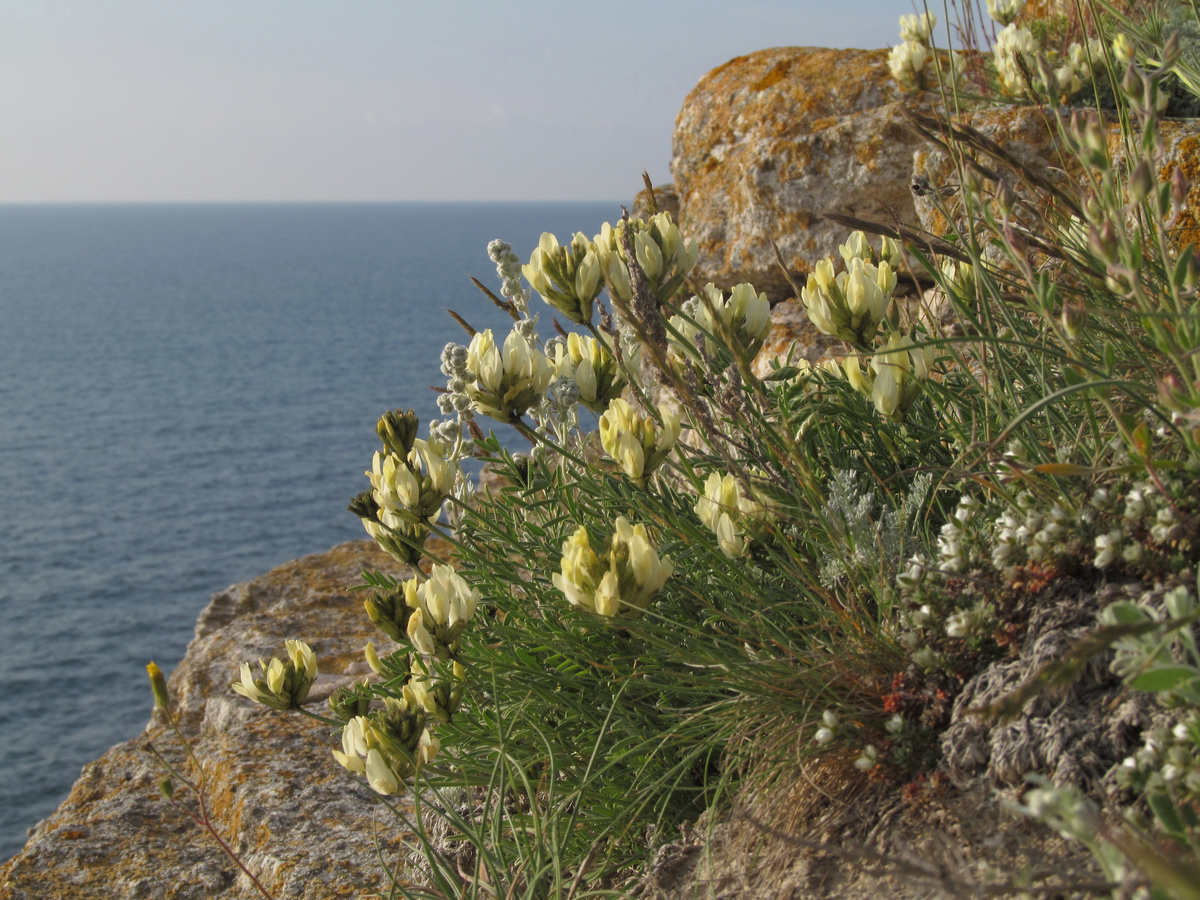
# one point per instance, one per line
(1029, 135)
(768, 142)
(299, 821)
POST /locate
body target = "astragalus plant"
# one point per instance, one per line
(693, 575)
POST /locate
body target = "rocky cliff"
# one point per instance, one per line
(763, 146)
(301, 825)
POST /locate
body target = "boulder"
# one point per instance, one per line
(302, 824)
(1030, 136)
(768, 142)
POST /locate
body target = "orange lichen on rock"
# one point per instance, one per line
(768, 142)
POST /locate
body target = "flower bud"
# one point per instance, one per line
(389, 612)
(1141, 182)
(1074, 317)
(398, 430)
(158, 686)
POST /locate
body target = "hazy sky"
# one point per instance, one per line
(248, 100)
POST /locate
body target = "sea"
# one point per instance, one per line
(188, 396)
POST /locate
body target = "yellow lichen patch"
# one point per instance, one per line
(775, 74)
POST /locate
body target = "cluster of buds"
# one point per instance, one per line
(1015, 56)
(593, 368)
(410, 480)
(387, 745)
(892, 380)
(851, 304)
(569, 278)
(661, 252)
(907, 60)
(634, 441)
(1004, 11)
(439, 698)
(505, 382)
(743, 320)
(439, 608)
(508, 267)
(620, 583)
(733, 517)
(282, 685)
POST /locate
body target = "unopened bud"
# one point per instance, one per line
(1074, 317)
(158, 684)
(167, 787)
(364, 506)
(373, 658)
(1131, 84)
(1006, 198)
(1102, 241)
(1141, 182)
(1180, 187)
(398, 430)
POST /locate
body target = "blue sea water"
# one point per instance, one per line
(187, 398)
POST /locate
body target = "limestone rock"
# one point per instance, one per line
(768, 142)
(299, 821)
(1029, 135)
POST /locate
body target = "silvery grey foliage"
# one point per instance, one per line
(870, 542)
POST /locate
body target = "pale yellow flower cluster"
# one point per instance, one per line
(632, 439)
(282, 685)
(907, 60)
(891, 380)
(505, 382)
(441, 606)
(851, 304)
(744, 318)
(620, 583)
(406, 494)
(594, 369)
(732, 516)
(388, 745)
(571, 277)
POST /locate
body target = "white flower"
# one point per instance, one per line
(379, 774)
(634, 441)
(907, 62)
(917, 28)
(1107, 547)
(1004, 11)
(1013, 42)
(869, 758)
(354, 746)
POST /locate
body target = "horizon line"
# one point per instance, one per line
(4, 203)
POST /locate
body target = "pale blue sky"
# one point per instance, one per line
(299, 100)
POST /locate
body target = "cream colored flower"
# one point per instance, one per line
(441, 605)
(907, 62)
(622, 582)
(851, 305)
(634, 441)
(594, 369)
(1004, 11)
(917, 29)
(729, 514)
(1014, 43)
(282, 685)
(505, 383)
(568, 278)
